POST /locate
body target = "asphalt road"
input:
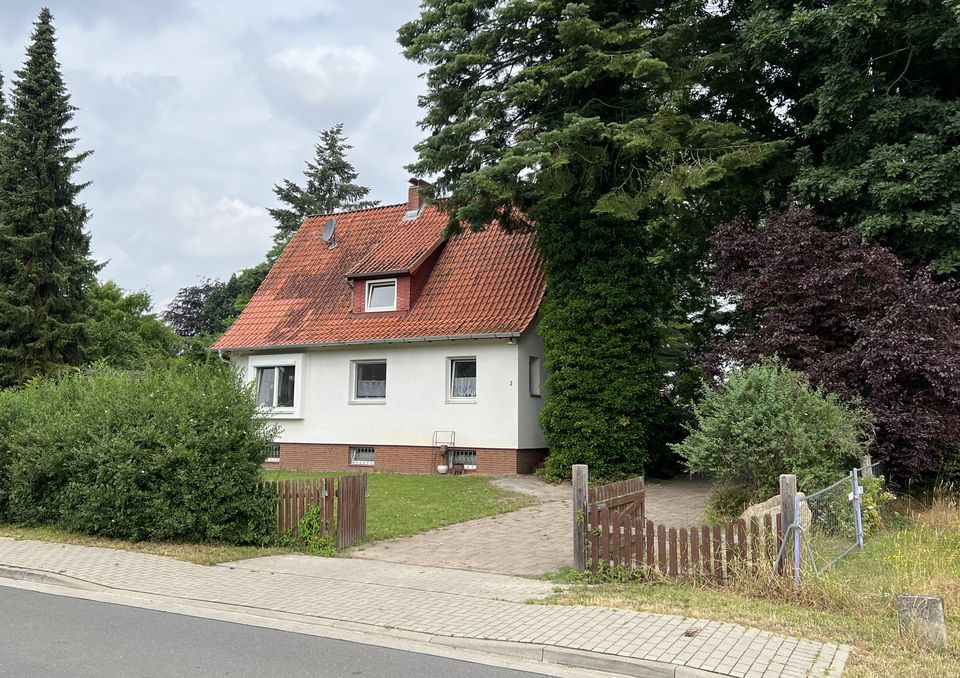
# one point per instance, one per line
(51, 636)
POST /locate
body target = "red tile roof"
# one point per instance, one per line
(481, 284)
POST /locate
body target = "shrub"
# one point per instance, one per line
(767, 420)
(728, 502)
(310, 537)
(172, 454)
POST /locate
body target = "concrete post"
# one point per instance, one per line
(867, 465)
(580, 481)
(855, 492)
(922, 617)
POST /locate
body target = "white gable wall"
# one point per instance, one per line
(529, 407)
(503, 416)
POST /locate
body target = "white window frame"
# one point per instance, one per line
(368, 293)
(353, 451)
(535, 375)
(354, 400)
(274, 455)
(450, 363)
(294, 360)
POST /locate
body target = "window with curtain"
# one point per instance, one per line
(371, 380)
(463, 377)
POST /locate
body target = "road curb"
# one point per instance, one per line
(530, 652)
(42, 577)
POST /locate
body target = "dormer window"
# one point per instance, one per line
(382, 295)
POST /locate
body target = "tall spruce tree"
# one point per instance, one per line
(45, 264)
(592, 119)
(329, 187)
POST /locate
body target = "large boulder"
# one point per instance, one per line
(771, 507)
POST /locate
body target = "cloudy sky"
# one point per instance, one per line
(196, 108)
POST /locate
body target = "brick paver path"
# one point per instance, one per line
(533, 540)
(439, 602)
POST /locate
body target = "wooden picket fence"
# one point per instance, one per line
(618, 541)
(626, 496)
(352, 510)
(347, 518)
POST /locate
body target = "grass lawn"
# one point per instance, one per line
(853, 604)
(397, 505)
(401, 504)
(201, 554)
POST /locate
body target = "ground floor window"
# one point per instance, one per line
(463, 378)
(370, 380)
(362, 456)
(275, 386)
(466, 457)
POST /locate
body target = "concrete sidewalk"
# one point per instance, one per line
(468, 610)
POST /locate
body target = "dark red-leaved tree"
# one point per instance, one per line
(851, 316)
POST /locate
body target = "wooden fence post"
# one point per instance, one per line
(788, 498)
(788, 512)
(580, 478)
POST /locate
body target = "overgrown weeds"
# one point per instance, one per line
(854, 603)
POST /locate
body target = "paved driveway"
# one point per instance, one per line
(533, 540)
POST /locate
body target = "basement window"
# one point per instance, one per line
(381, 295)
(466, 457)
(362, 456)
(274, 453)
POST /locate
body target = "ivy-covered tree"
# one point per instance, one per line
(330, 186)
(121, 330)
(859, 323)
(866, 92)
(587, 122)
(45, 264)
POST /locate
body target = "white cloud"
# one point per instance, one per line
(226, 228)
(319, 74)
(196, 108)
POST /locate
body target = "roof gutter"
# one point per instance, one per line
(377, 342)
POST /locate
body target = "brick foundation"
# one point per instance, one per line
(401, 459)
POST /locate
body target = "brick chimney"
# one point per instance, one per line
(415, 199)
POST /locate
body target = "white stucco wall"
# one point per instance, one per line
(529, 407)
(416, 402)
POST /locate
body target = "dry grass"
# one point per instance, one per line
(855, 603)
(201, 554)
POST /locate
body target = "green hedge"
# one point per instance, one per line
(170, 454)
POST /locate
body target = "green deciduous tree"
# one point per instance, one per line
(868, 92)
(122, 331)
(590, 119)
(330, 187)
(45, 263)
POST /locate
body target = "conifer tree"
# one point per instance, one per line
(329, 187)
(45, 263)
(594, 119)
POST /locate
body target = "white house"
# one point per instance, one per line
(376, 343)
